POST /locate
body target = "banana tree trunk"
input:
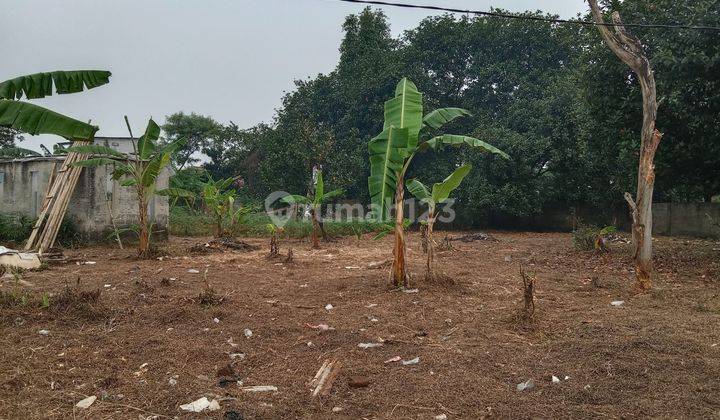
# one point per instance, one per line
(399, 275)
(144, 236)
(629, 50)
(430, 246)
(315, 227)
(218, 228)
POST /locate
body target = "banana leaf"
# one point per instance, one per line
(39, 85)
(386, 162)
(442, 116)
(33, 119)
(441, 191)
(405, 111)
(456, 140)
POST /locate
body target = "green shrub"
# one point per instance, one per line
(15, 228)
(589, 237)
(583, 237)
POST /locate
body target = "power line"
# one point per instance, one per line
(524, 17)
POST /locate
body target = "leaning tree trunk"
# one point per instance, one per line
(144, 236)
(399, 275)
(630, 50)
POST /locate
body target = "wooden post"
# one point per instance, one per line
(630, 50)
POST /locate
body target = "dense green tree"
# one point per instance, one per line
(197, 131)
(687, 73)
(8, 137)
(551, 95)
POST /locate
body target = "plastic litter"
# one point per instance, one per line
(527, 385)
(86, 402)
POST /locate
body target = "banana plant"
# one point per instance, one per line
(392, 151)
(32, 119)
(440, 193)
(219, 200)
(315, 201)
(138, 170)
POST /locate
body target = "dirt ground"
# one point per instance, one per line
(147, 345)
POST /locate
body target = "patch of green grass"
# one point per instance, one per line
(186, 222)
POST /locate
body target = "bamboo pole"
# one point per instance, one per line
(43, 237)
(49, 194)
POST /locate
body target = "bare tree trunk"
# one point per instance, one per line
(144, 235)
(630, 50)
(399, 275)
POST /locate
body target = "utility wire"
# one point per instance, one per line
(525, 17)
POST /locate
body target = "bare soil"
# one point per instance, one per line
(657, 355)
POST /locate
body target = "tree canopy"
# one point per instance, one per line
(550, 95)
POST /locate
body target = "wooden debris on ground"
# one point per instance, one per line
(323, 381)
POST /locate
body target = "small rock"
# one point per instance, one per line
(441, 417)
(508, 259)
(527, 385)
(411, 291)
(248, 333)
(358, 381)
(193, 271)
(555, 379)
(337, 409)
(44, 332)
(173, 380)
(617, 302)
(87, 402)
(215, 320)
(329, 307)
(393, 359)
(240, 356)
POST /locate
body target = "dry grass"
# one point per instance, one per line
(655, 356)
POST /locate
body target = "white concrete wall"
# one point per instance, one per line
(89, 204)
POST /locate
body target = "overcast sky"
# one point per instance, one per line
(230, 59)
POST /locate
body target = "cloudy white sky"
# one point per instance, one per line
(231, 59)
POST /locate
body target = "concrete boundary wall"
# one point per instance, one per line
(686, 219)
